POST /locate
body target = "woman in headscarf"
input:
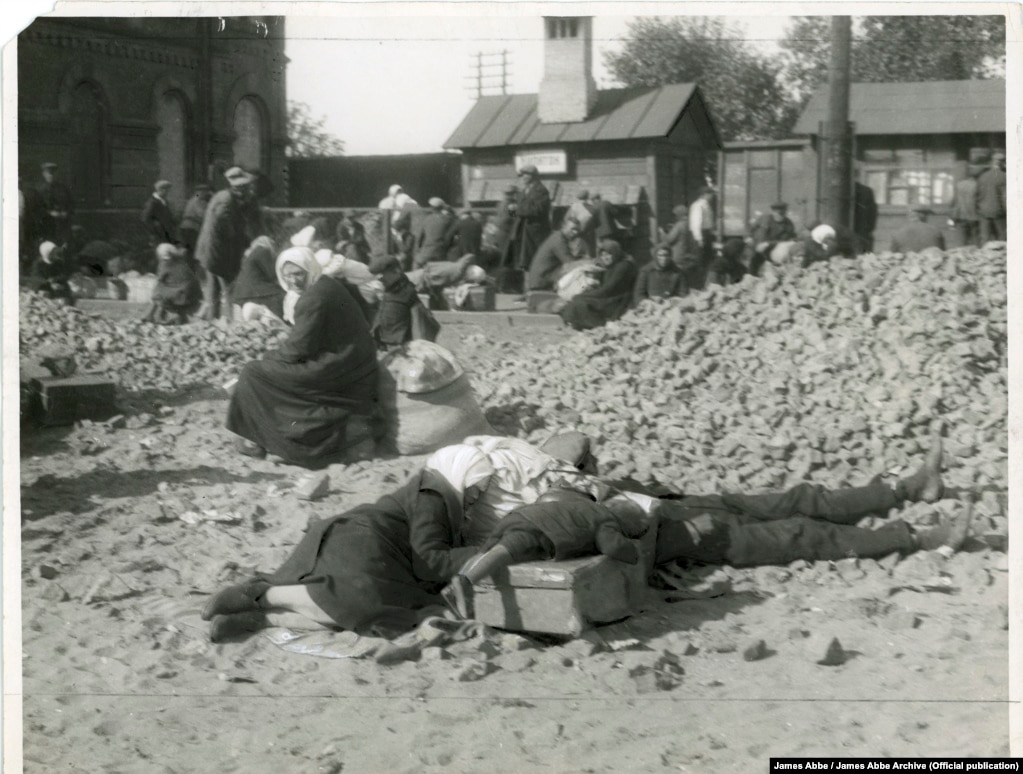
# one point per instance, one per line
(611, 298)
(372, 569)
(258, 290)
(315, 398)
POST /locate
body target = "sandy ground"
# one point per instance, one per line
(119, 675)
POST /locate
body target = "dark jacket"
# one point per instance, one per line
(546, 266)
(465, 235)
(916, 236)
(683, 247)
(655, 282)
(257, 281)
(604, 217)
(767, 229)
(431, 244)
(393, 323)
(532, 222)
(991, 194)
(229, 227)
(375, 565)
(159, 221)
(608, 301)
(864, 210)
(573, 529)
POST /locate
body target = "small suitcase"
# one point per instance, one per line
(566, 597)
(65, 400)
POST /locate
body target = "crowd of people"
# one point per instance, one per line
(489, 501)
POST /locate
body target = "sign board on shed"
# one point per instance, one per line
(547, 162)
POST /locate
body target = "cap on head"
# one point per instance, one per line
(572, 447)
(48, 166)
(236, 177)
(394, 190)
(583, 195)
(529, 169)
(511, 189)
(436, 202)
(162, 185)
(779, 207)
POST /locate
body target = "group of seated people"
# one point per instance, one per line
(491, 501)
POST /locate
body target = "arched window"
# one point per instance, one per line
(249, 147)
(88, 180)
(172, 145)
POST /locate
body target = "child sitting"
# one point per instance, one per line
(562, 524)
(177, 293)
(393, 324)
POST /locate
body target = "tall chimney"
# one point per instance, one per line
(567, 91)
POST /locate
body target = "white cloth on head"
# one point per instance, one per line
(304, 238)
(522, 473)
(461, 466)
(822, 232)
(303, 258)
(45, 249)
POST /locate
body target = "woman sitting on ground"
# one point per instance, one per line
(177, 293)
(611, 298)
(315, 399)
(258, 290)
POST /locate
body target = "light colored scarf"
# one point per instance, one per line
(461, 466)
(303, 258)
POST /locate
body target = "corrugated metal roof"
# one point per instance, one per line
(619, 114)
(921, 107)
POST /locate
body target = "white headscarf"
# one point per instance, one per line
(304, 237)
(462, 467)
(45, 249)
(822, 232)
(303, 258)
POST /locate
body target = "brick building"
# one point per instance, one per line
(121, 102)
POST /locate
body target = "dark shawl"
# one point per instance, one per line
(374, 566)
(296, 401)
(608, 301)
(257, 281)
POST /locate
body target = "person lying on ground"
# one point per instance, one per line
(177, 293)
(562, 524)
(371, 569)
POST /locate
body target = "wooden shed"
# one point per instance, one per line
(643, 149)
(914, 140)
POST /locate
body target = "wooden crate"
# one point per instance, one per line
(566, 597)
(482, 298)
(65, 400)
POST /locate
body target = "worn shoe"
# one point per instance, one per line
(950, 532)
(231, 627)
(250, 449)
(243, 598)
(458, 595)
(925, 485)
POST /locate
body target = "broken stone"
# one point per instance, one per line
(835, 655)
(312, 486)
(755, 652)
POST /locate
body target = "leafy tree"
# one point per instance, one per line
(743, 89)
(897, 48)
(306, 136)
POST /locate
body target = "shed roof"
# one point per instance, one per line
(919, 107)
(619, 114)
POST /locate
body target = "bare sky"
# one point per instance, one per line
(401, 84)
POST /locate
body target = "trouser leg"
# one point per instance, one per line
(841, 506)
(1000, 228)
(781, 542)
(211, 296)
(985, 230)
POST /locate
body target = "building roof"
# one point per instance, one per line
(619, 114)
(921, 107)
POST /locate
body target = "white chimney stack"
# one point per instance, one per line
(567, 91)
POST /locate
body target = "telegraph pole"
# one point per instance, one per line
(838, 162)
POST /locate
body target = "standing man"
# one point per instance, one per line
(991, 206)
(431, 242)
(768, 231)
(192, 219)
(52, 208)
(223, 240)
(157, 216)
(465, 235)
(701, 228)
(397, 208)
(532, 216)
(964, 209)
(864, 217)
(917, 234)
